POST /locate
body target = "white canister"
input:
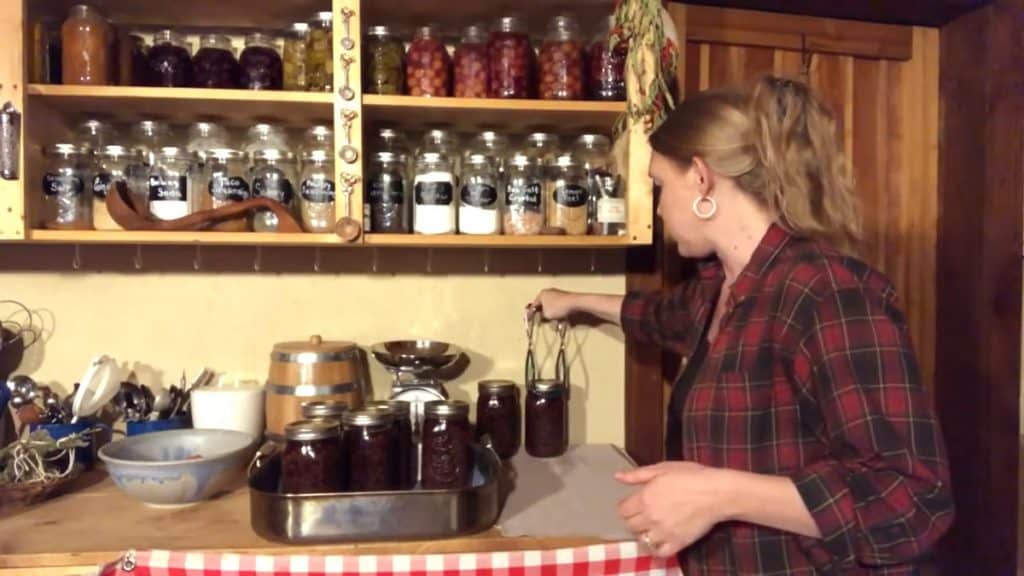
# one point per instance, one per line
(229, 407)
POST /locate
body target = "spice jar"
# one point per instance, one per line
(170, 61)
(607, 64)
(427, 65)
(325, 410)
(512, 63)
(66, 203)
(471, 64)
(447, 460)
(169, 184)
(386, 207)
(561, 61)
(274, 173)
(499, 416)
(547, 418)
(567, 202)
(606, 207)
(479, 210)
(320, 54)
(434, 204)
(313, 459)
(265, 137)
(524, 193)
(112, 167)
(86, 38)
(370, 451)
(317, 191)
(214, 65)
(227, 184)
(294, 56)
(406, 461)
(385, 66)
(261, 64)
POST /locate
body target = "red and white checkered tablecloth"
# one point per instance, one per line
(616, 559)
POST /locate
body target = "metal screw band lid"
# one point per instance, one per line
(446, 409)
(399, 408)
(497, 386)
(306, 430)
(366, 418)
(324, 409)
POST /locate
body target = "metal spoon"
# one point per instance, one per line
(349, 154)
(348, 228)
(347, 43)
(346, 90)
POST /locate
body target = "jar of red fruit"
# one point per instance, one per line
(470, 64)
(427, 65)
(511, 61)
(607, 72)
(561, 61)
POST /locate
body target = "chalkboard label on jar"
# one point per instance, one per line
(101, 184)
(571, 196)
(434, 193)
(62, 184)
(480, 195)
(168, 189)
(275, 186)
(527, 196)
(229, 188)
(318, 190)
(387, 191)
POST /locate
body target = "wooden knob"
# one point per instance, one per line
(316, 340)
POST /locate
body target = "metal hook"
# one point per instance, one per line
(197, 260)
(316, 259)
(430, 260)
(593, 261)
(540, 262)
(137, 261)
(374, 263)
(76, 261)
(487, 261)
(257, 264)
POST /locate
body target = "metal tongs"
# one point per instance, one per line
(530, 320)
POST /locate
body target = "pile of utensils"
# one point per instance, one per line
(139, 403)
(37, 404)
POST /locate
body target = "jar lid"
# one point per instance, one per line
(299, 27)
(565, 161)
(520, 160)
(594, 141)
(306, 430)
(151, 128)
(438, 136)
(550, 386)
(93, 127)
(385, 156)
(173, 152)
(316, 349)
(492, 139)
(379, 31)
(223, 154)
(426, 31)
(563, 23)
(497, 386)
(273, 155)
(474, 33)
(114, 152)
(399, 408)
(365, 418)
(320, 133)
(542, 139)
(431, 157)
(446, 408)
(316, 156)
(64, 150)
(219, 41)
(321, 409)
(170, 37)
(324, 17)
(510, 24)
(260, 39)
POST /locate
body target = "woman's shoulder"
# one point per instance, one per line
(819, 269)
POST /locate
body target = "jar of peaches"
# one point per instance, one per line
(470, 64)
(511, 60)
(427, 65)
(561, 61)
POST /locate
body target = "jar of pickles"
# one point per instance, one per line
(568, 201)
(434, 205)
(479, 209)
(385, 66)
(386, 209)
(561, 61)
(274, 174)
(170, 188)
(112, 165)
(447, 460)
(606, 207)
(371, 454)
(512, 63)
(170, 60)
(320, 53)
(227, 184)
(607, 75)
(66, 202)
(524, 197)
(499, 416)
(471, 64)
(312, 461)
(317, 191)
(407, 461)
(294, 56)
(262, 68)
(427, 65)
(547, 418)
(214, 65)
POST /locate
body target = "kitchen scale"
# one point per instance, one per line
(417, 366)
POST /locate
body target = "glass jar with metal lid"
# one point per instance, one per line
(66, 200)
(294, 56)
(112, 165)
(319, 137)
(385, 62)
(427, 64)
(445, 142)
(568, 199)
(206, 136)
(386, 208)
(523, 213)
(547, 418)
(274, 175)
(215, 65)
(147, 137)
(512, 62)
(470, 63)
(370, 450)
(261, 64)
(312, 461)
(561, 61)
(606, 206)
(264, 136)
(499, 416)
(227, 184)
(479, 205)
(406, 460)
(324, 410)
(169, 184)
(492, 144)
(317, 192)
(435, 206)
(607, 74)
(447, 459)
(92, 135)
(542, 147)
(320, 53)
(170, 60)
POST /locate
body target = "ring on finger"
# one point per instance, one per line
(646, 538)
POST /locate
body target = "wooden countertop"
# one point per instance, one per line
(96, 523)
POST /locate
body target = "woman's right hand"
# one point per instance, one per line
(554, 304)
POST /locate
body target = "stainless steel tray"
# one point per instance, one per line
(353, 516)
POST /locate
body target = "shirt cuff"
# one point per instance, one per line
(633, 315)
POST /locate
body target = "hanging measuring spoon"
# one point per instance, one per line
(348, 228)
(346, 91)
(349, 154)
(346, 16)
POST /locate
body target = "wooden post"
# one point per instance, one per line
(12, 89)
(354, 207)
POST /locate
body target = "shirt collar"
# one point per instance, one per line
(773, 243)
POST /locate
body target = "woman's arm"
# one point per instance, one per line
(555, 304)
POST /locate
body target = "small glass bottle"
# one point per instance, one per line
(427, 64)
(170, 60)
(320, 53)
(261, 64)
(313, 459)
(447, 460)
(325, 410)
(523, 214)
(66, 201)
(607, 75)
(479, 206)
(385, 62)
(470, 63)
(387, 204)
(512, 63)
(215, 65)
(169, 185)
(227, 184)
(561, 61)
(547, 418)
(435, 206)
(317, 192)
(568, 200)
(606, 207)
(407, 461)
(86, 37)
(499, 416)
(274, 175)
(370, 450)
(113, 163)
(293, 56)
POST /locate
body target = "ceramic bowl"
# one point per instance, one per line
(178, 467)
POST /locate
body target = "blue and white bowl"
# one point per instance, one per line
(178, 467)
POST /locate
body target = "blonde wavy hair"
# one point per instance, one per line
(778, 142)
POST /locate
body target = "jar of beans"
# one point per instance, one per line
(512, 63)
(470, 64)
(427, 65)
(561, 61)
(385, 69)
(607, 72)
(569, 197)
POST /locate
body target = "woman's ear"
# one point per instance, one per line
(703, 174)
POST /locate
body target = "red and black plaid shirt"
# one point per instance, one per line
(812, 376)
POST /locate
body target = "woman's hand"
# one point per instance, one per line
(554, 304)
(677, 504)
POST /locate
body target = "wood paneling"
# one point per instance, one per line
(903, 12)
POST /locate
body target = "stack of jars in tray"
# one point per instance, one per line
(175, 176)
(491, 186)
(500, 63)
(378, 447)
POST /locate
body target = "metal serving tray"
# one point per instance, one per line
(360, 516)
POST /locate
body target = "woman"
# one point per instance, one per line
(807, 441)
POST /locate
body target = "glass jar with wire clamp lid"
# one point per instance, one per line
(274, 175)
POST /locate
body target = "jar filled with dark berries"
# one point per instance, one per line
(312, 461)
(447, 460)
(427, 65)
(499, 416)
(262, 68)
(406, 461)
(607, 74)
(215, 65)
(512, 63)
(470, 64)
(547, 418)
(170, 60)
(561, 61)
(370, 451)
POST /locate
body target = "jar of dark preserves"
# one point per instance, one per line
(607, 74)
(428, 68)
(214, 65)
(406, 460)
(499, 416)
(312, 461)
(170, 60)
(512, 63)
(369, 444)
(547, 418)
(470, 63)
(447, 460)
(262, 68)
(325, 410)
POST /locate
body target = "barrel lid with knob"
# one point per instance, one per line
(316, 349)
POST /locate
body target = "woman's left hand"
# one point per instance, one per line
(677, 504)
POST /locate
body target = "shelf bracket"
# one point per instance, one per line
(593, 261)
(540, 261)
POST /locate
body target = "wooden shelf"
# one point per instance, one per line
(469, 241)
(404, 15)
(222, 14)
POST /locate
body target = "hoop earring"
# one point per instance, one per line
(705, 215)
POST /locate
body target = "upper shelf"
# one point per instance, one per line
(264, 14)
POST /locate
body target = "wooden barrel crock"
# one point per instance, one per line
(310, 371)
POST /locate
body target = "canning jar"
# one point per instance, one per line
(561, 61)
(147, 137)
(607, 74)
(542, 148)
(214, 65)
(447, 460)
(317, 191)
(385, 66)
(606, 206)
(265, 137)
(511, 63)
(92, 135)
(313, 459)
(406, 462)
(434, 203)
(274, 173)
(66, 202)
(386, 207)
(369, 444)
(470, 64)
(479, 209)
(568, 200)
(547, 418)
(86, 39)
(112, 165)
(499, 416)
(492, 144)
(293, 56)
(203, 137)
(170, 60)
(524, 194)
(427, 65)
(261, 64)
(135, 70)
(227, 184)
(169, 185)
(391, 140)
(320, 53)
(445, 142)
(331, 411)
(318, 138)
